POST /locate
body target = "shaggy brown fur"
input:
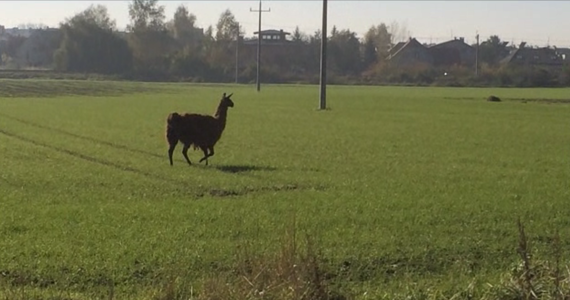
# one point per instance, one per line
(200, 131)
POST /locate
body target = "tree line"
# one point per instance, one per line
(157, 48)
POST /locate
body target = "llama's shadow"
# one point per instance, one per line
(243, 168)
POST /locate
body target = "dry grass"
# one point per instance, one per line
(294, 272)
(533, 278)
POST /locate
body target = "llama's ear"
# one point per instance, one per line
(229, 95)
(224, 95)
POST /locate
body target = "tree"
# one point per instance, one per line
(146, 14)
(316, 37)
(334, 31)
(182, 27)
(209, 40)
(345, 52)
(221, 50)
(369, 52)
(13, 43)
(493, 50)
(209, 33)
(313, 57)
(96, 15)
(189, 61)
(377, 43)
(149, 39)
(91, 44)
(226, 28)
(298, 36)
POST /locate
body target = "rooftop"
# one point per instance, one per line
(272, 31)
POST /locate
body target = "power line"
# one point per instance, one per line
(260, 11)
(323, 93)
(477, 55)
(237, 51)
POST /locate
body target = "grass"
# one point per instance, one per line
(406, 192)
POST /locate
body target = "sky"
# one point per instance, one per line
(538, 23)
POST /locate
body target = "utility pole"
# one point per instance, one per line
(237, 52)
(259, 42)
(323, 94)
(477, 56)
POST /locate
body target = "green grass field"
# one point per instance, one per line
(402, 191)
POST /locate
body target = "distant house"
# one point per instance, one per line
(453, 52)
(564, 53)
(24, 32)
(276, 49)
(410, 53)
(524, 56)
(395, 49)
(270, 37)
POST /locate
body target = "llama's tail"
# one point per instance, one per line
(172, 133)
(171, 125)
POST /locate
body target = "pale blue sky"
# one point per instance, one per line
(537, 22)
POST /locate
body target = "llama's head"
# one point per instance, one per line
(226, 101)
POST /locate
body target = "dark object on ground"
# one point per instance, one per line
(494, 99)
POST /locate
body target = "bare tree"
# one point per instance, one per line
(398, 32)
(32, 26)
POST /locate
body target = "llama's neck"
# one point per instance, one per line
(221, 115)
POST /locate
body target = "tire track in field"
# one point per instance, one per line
(197, 194)
(2, 179)
(86, 138)
(90, 158)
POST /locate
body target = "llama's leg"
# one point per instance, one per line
(207, 155)
(171, 149)
(185, 153)
(211, 151)
(205, 150)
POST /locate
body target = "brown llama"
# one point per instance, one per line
(200, 131)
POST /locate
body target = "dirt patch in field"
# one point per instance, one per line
(523, 100)
(243, 168)
(24, 279)
(223, 193)
(541, 100)
(461, 98)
